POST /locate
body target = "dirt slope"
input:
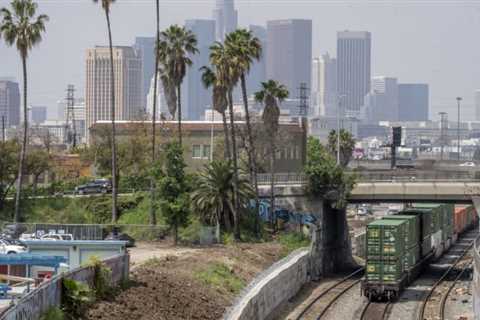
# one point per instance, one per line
(198, 284)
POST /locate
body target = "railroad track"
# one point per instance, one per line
(431, 308)
(319, 306)
(376, 311)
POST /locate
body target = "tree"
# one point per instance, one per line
(9, 151)
(172, 188)
(37, 163)
(153, 216)
(227, 77)
(213, 195)
(20, 27)
(219, 98)
(347, 144)
(106, 7)
(325, 178)
(271, 95)
(175, 45)
(245, 48)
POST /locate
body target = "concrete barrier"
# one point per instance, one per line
(49, 294)
(272, 287)
(476, 279)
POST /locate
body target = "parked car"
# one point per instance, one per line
(11, 247)
(95, 186)
(56, 236)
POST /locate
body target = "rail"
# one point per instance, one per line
(349, 284)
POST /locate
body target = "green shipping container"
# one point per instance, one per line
(386, 239)
(384, 270)
(426, 246)
(412, 230)
(425, 220)
(437, 214)
(412, 257)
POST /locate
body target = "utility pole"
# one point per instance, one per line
(458, 128)
(443, 127)
(303, 113)
(70, 129)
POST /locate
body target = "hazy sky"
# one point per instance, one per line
(431, 41)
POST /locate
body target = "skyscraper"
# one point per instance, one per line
(128, 84)
(9, 103)
(257, 72)
(382, 102)
(146, 51)
(289, 53)
(226, 18)
(196, 98)
(477, 105)
(38, 114)
(353, 69)
(162, 108)
(413, 102)
(327, 86)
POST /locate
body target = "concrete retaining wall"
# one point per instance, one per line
(49, 294)
(272, 287)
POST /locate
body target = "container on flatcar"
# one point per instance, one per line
(412, 229)
(386, 239)
(384, 270)
(425, 220)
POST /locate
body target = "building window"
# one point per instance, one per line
(206, 151)
(196, 151)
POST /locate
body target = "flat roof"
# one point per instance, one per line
(74, 242)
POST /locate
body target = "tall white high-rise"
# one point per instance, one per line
(327, 82)
(226, 18)
(128, 84)
(162, 108)
(353, 69)
(477, 105)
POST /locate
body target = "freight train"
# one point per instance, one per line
(399, 246)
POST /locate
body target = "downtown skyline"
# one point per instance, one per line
(397, 51)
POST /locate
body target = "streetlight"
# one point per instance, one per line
(443, 116)
(458, 128)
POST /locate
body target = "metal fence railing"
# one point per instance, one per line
(293, 178)
(476, 279)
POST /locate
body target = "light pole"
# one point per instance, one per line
(443, 116)
(458, 128)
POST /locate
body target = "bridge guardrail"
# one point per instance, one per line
(300, 178)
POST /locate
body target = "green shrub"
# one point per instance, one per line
(76, 297)
(292, 241)
(191, 233)
(222, 277)
(53, 313)
(102, 278)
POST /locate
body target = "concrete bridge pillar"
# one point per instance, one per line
(331, 249)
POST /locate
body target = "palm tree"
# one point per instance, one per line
(214, 193)
(175, 45)
(219, 99)
(271, 95)
(245, 48)
(106, 7)
(228, 75)
(153, 217)
(21, 28)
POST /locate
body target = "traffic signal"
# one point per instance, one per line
(397, 136)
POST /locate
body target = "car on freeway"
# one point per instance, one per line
(467, 164)
(11, 247)
(95, 186)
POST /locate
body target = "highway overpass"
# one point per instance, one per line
(394, 191)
